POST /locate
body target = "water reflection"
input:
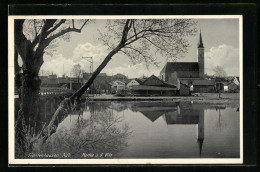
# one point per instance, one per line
(94, 131)
(148, 130)
(181, 114)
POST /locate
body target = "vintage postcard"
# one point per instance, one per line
(125, 89)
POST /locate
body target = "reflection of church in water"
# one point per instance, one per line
(182, 114)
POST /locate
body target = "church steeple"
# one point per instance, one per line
(200, 43)
(201, 57)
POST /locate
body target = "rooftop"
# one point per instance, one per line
(184, 69)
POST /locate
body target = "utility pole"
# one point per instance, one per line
(91, 69)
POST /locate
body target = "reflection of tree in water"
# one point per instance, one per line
(101, 106)
(118, 106)
(96, 106)
(102, 132)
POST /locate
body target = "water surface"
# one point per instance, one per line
(149, 130)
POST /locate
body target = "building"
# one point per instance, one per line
(236, 81)
(53, 76)
(203, 86)
(184, 89)
(233, 88)
(116, 86)
(49, 81)
(187, 73)
(133, 82)
(73, 83)
(153, 86)
(101, 82)
(174, 70)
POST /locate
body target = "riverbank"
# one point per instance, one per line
(230, 99)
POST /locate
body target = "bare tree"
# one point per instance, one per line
(33, 38)
(219, 71)
(135, 38)
(76, 70)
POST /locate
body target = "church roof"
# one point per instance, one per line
(184, 69)
(170, 118)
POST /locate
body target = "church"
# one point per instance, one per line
(189, 75)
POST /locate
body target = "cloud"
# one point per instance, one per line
(225, 56)
(97, 52)
(118, 64)
(55, 64)
(133, 71)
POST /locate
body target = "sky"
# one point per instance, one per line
(220, 39)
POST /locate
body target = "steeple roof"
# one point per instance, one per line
(200, 43)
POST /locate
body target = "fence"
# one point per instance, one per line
(55, 91)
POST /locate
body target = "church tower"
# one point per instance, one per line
(201, 57)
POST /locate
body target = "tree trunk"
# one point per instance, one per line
(30, 97)
(28, 113)
(17, 74)
(84, 88)
(52, 126)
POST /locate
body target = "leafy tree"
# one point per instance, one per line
(76, 70)
(219, 71)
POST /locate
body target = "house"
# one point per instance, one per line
(203, 86)
(133, 82)
(101, 82)
(233, 88)
(221, 83)
(153, 86)
(53, 76)
(117, 85)
(50, 82)
(184, 89)
(63, 81)
(236, 81)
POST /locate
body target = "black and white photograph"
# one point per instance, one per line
(125, 89)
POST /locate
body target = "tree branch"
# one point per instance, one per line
(125, 32)
(56, 26)
(35, 29)
(20, 40)
(84, 24)
(73, 26)
(48, 24)
(134, 29)
(62, 32)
